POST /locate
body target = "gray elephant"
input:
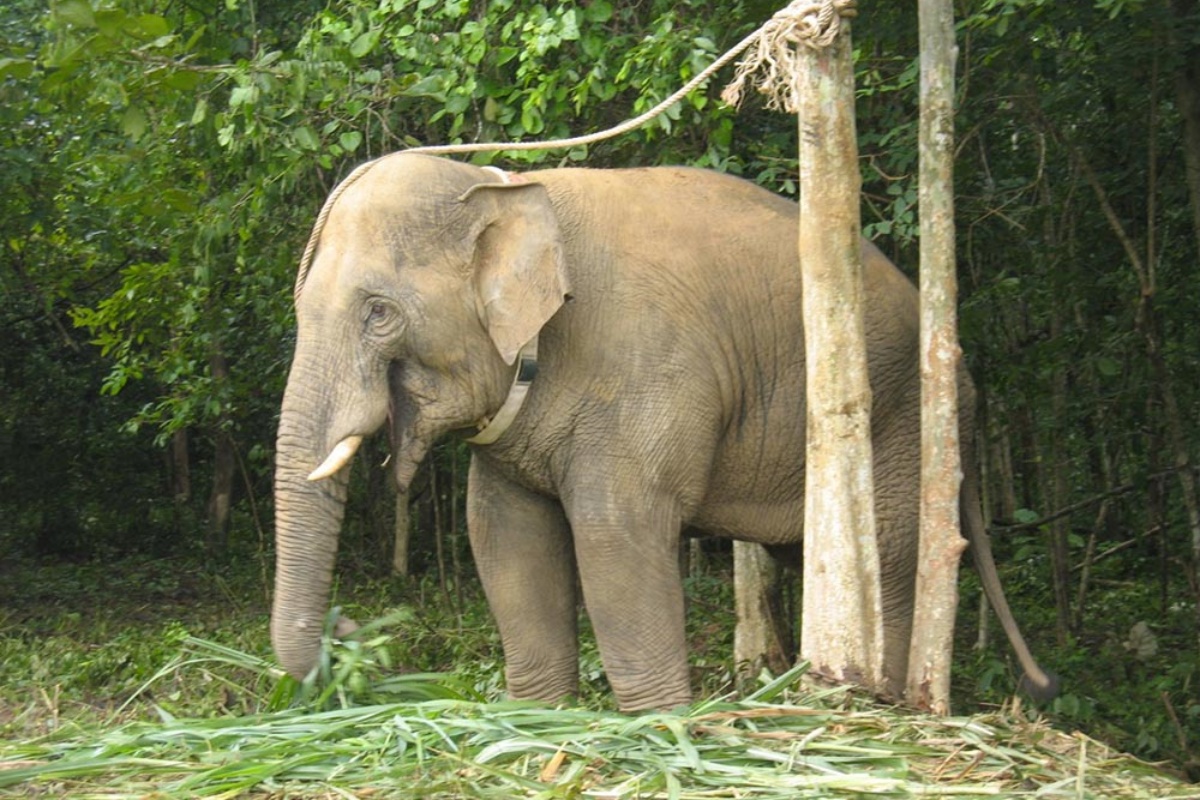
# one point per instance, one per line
(660, 311)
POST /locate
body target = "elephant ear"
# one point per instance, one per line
(519, 278)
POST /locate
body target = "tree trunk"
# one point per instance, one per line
(439, 531)
(986, 482)
(401, 534)
(220, 499)
(1103, 475)
(181, 471)
(179, 467)
(456, 534)
(1187, 99)
(1055, 460)
(1178, 441)
(762, 637)
(941, 543)
(695, 558)
(841, 626)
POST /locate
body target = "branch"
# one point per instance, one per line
(1082, 504)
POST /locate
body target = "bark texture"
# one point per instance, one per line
(762, 637)
(841, 628)
(941, 543)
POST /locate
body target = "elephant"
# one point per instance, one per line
(624, 352)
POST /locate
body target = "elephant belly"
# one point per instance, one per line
(776, 523)
(755, 488)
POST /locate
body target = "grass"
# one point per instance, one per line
(160, 692)
(782, 741)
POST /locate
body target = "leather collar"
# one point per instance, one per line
(489, 430)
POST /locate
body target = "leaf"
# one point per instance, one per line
(160, 42)
(75, 13)
(429, 86)
(350, 140)
(15, 68)
(307, 138)
(598, 11)
(491, 109)
(243, 95)
(148, 26)
(184, 80)
(365, 43)
(134, 122)
(179, 200)
(569, 29)
(531, 120)
(111, 22)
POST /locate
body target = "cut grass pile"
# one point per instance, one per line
(441, 741)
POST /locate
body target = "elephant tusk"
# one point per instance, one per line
(340, 457)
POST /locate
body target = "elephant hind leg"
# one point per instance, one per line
(897, 524)
(897, 639)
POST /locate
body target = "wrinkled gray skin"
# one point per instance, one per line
(670, 395)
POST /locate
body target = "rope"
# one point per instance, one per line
(809, 22)
(310, 249)
(599, 136)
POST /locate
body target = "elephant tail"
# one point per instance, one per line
(1039, 684)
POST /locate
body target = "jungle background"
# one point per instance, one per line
(161, 163)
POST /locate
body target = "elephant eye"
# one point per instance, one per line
(381, 316)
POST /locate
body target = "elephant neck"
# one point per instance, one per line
(491, 429)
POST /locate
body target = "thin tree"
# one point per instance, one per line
(805, 51)
(762, 636)
(841, 631)
(941, 543)
(401, 535)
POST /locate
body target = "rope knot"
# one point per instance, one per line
(802, 23)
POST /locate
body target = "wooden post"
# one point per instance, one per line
(841, 627)
(762, 636)
(941, 469)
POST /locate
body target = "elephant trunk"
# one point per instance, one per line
(308, 519)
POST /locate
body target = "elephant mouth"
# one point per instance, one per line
(404, 468)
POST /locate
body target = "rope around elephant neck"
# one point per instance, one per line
(813, 23)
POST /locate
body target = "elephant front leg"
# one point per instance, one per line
(522, 548)
(629, 567)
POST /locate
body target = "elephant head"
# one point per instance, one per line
(422, 281)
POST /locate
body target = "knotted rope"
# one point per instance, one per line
(776, 60)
